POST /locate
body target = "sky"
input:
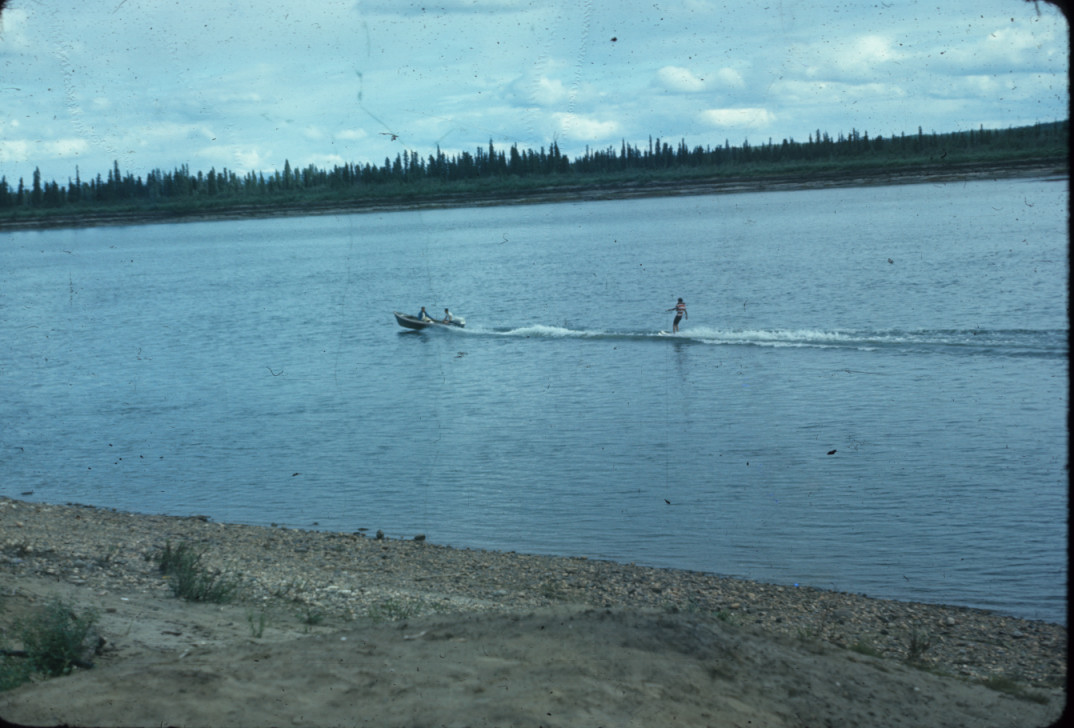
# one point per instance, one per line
(247, 84)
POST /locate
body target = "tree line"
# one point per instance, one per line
(411, 173)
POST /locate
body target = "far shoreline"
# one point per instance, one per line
(553, 194)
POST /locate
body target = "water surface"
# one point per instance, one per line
(869, 395)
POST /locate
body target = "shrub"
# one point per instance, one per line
(13, 672)
(1004, 684)
(920, 642)
(311, 616)
(190, 578)
(392, 610)
(257, 623)
(864, 647)
(53, 643)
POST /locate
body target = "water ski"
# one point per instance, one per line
(665, 333)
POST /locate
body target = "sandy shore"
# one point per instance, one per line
(347, 629)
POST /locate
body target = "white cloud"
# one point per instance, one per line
(247, 97)
(27, 152)
(1016, 48)
(580, 128)
(197, 132)
(248, 160)
(548, 92)
(683, 80)
(15, 150)
(157, 84)
(676, 78)
(13, 30)
(857, 58)
(351, 135)
(833, 92)
(166, 132)
(871, 50)
(544, 89)
(750, 118)
(730, 78)
(66, 148)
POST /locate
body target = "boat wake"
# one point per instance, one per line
(1000, 342)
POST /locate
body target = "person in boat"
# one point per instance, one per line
(448, 318)
(680, 312)
(424, 316)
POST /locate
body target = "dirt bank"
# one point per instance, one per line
(343, 629)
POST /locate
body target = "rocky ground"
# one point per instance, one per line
(615, 633)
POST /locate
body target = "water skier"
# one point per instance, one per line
(680, 312)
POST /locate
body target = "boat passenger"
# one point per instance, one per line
(424, 316)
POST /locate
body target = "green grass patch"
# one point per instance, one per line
(863, 647)
(311, 616)
(392, 610)
(53, 643)
(13, 672)
(725, 615)
(257, 623)
(553, 591)
(1004, 684)
(190, 578)
(919, 644)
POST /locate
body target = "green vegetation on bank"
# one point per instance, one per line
(492, 174)
(53, 641)
(190, 578)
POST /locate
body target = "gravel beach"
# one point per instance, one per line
(352, 629)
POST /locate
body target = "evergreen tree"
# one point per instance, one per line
(856, 150)
(35, 192)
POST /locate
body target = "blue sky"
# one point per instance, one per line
(249, 83)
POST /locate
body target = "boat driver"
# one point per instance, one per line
(447, 317)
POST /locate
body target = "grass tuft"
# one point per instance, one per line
(864, 647)
(392, 610)
(257, 623)
(1004, 684)
(920, 642)
(190, 578)
(311, 616)
(53, 644)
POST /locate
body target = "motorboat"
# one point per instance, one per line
(413, 322)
